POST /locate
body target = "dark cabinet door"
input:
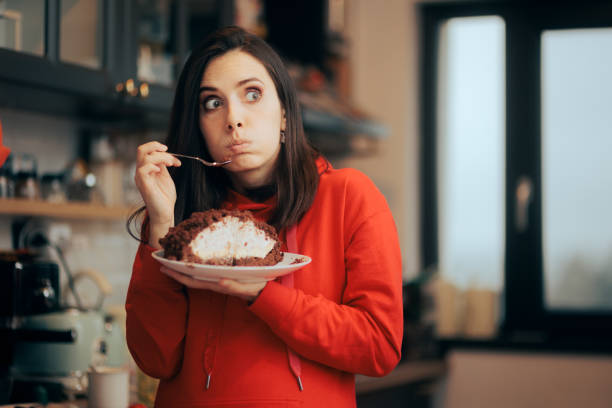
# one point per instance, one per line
(57, 44)
(97, 58)
(114, 53)
(150, 49)
(155, 40)
(56, 54)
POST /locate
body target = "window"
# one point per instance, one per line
(576, 168)
(470, 151)
(516, 174)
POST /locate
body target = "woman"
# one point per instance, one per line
(294, 342)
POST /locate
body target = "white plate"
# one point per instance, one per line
(240, 273)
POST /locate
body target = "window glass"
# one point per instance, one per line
(577, 168)
(81, 32)
(471, 151)
(22, 26)
(156, 53)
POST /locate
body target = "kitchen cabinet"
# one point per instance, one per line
(94, 59)
(338, 135)
(114, 63)
(82, 68)
(152, 48)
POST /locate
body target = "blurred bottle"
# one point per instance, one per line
(80, 182)
(7, 180)
(108, 170)
(53, 188)
(26, 179)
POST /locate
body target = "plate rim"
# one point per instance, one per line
(156, 254)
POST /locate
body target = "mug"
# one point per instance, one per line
(480, 313)
(108, 387)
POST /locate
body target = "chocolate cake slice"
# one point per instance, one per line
(223, 237)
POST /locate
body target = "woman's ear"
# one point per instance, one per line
(283, 122)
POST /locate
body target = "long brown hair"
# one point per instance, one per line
(201, 188)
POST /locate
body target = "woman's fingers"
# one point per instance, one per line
(230, 287)
(155, 152)
(147, 169)
(143, 175)
(242, 288)
(162, 158)
(147, 148)
(189, 281)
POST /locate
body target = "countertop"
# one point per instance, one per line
(404, 373)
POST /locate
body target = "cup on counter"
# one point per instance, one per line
(109, 387)
(480, 313)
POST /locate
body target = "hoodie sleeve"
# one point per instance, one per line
(363, 333)
(156, 308)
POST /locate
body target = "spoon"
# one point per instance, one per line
(204, 162)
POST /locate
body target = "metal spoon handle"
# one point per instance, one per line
(187, 157)
(206, 163)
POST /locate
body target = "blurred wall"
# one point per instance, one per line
(384, 83)
(480, 379)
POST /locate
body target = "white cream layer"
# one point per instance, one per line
(231, 238)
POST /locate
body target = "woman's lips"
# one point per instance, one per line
(240, 147)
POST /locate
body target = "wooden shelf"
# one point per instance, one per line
(336, 124)
(70, 210)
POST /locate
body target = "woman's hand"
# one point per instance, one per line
(156, 187)
(246, 291)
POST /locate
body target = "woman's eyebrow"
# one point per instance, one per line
(240, 83)
(244, 81)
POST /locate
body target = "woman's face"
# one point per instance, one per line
(241, 117)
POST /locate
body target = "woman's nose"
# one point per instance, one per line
(234, 117)
(231, 125)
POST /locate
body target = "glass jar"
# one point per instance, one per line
(7, 180)
(26, 180)
(52, 188)
(26, 186)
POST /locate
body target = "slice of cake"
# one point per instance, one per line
(223, 237)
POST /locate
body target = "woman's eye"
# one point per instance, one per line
(212, 103)
(253, 95)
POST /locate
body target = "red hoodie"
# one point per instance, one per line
(343, 315)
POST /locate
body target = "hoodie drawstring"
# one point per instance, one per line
(214, 332)
(212, 339)
(287, 280)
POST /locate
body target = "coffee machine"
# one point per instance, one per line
(45, 348)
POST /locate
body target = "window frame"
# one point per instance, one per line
(525, 317)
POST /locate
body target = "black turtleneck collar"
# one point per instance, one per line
(261, 194)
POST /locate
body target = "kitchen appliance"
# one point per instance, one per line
(26, 288)
(46, 349)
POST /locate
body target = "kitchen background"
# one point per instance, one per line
(391, 88)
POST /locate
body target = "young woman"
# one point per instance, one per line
(293, 342)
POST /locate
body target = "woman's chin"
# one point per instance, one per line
(240, 164)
